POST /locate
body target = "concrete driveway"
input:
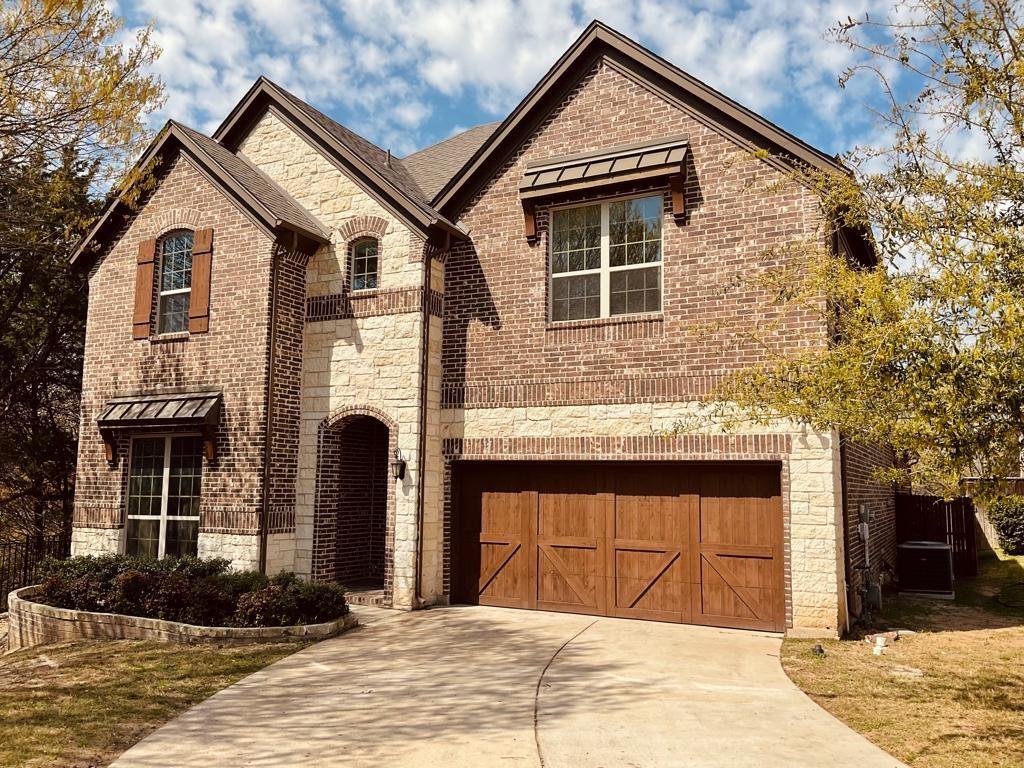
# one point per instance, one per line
(486, 687)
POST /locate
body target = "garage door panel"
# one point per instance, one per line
(652, 584)
(740, 557)
(569, 578)
(505, 544)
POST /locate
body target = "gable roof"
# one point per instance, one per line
(433, 166)
(382, 175)
(258, 194)
(600, 41)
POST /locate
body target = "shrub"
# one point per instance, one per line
(1007, 516)
(285, 599)
(187, 589)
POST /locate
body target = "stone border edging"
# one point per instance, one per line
(31, 624)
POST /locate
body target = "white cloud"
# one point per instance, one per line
(406, 71)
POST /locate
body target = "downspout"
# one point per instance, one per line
(272, 343)
(846, 532)
(421, 455)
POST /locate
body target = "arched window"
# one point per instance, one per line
(175, 281)
(365, 264)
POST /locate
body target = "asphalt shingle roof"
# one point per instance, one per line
(433, 166)
(278, 203)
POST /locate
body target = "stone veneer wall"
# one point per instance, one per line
(638, 431)
(231, 357)
(359, 349)
(33, 624)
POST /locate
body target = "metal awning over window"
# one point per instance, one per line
(184, 410)
(619, 167)
(631, 163)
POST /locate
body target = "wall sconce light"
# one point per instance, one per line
(398, 465)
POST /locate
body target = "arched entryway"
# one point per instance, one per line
(355, 504)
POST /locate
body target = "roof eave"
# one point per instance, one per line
(597, 41)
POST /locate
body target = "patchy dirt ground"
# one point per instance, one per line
(949, 695)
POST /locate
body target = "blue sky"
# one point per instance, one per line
(407, 73)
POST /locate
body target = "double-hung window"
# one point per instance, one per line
(175, 282)
(164, 479)
(606, 258)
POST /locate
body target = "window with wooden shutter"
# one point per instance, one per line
(202, 262)
(144, 275)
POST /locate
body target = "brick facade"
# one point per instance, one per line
(231, 357)
(500, 380)
(861, 486)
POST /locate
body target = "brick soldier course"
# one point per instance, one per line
(330, 386)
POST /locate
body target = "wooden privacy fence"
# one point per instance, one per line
(19, 560)
(932, 518)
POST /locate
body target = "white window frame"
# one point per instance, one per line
(605, 270)
(165, 487)
(352, 262)
(161, 293)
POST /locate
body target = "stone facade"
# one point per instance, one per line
(499, 379)
(365, 352)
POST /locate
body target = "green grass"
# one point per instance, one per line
(82, 704)
(965, 708)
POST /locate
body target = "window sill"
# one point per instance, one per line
(597, 322)
(167, 338)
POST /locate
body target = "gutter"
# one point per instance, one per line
(421, 455)
(272, 343)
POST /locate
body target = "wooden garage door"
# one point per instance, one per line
(670, 542)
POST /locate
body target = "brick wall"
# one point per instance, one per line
(231, 357)
(499, 347)
(861, 486)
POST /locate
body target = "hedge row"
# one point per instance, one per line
(189, 590)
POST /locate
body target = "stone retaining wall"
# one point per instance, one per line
(32, 624)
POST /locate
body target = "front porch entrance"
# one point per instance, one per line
(354, 498)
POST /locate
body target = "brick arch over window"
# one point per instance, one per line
(175, 218)
(363, 226)
(330, 500)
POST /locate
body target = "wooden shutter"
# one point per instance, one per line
(199, 302)
(144, 289)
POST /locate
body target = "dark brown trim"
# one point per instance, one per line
(265, 95)
(168, 144)
(599, 41)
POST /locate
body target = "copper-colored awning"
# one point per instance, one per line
(619, 165)
(183, 410)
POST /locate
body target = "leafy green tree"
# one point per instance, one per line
(73, 102)
(928, 347)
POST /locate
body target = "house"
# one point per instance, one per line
(454, 376)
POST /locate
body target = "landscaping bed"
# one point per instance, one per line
(951, 693)
(82, 704)
(182, 600)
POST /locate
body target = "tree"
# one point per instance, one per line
(73, 103)
(927, 349)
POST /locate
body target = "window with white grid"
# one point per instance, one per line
(164, 484)
(606, 258)
(175, 281)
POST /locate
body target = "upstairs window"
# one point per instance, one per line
(175, 282)
(606, 258)
(365, 264)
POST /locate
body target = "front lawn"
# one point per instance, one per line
(950, 695)
(82, 704)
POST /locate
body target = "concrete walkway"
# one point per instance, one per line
(459, 687)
